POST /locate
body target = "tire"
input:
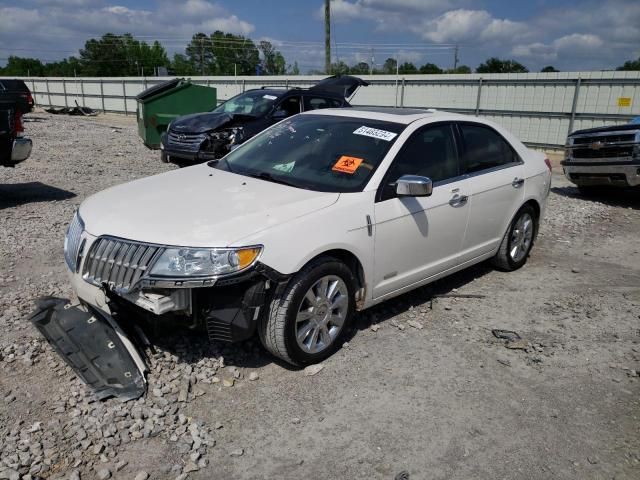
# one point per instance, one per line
(164, 158)
(284, 321)
(505, 259)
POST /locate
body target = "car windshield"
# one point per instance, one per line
(316, 152)
(254, 103)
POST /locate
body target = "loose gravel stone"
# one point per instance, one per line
(313, 369)
(104, 474)
(237, 452)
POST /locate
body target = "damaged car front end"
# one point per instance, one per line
(185, 143)
(126, 289)
(201, 137)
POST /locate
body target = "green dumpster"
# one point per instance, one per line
(159, 105)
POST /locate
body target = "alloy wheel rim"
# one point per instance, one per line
(521, 237)
(321, 314)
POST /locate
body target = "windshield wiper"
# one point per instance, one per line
(270, 178)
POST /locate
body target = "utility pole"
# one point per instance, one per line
(455, 58)
(327, 36)
(372, 63)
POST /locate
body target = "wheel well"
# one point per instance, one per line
(351, 261)
(536, 209)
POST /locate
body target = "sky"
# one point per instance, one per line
(571, 35)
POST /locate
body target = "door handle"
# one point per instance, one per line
(517, 182)
(458, 200)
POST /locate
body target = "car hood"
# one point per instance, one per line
(198, 206)
(205, 122)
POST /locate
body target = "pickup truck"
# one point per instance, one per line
(603, 157)
(15, 101)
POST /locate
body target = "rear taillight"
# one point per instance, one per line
(548, 164)
(30, 99)
(17, 122)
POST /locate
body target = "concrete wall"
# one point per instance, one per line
(539, 108)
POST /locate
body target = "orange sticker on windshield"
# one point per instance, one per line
(347, 164)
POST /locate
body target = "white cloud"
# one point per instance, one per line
(535, 50)
(578, 42)
(575, 45)
(59, 29)
(461, 25)
(596, 34)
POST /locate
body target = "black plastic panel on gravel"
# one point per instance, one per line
(90, 345)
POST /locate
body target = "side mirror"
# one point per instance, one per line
(414, 186)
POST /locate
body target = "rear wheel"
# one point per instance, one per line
(307, 321)
(517, 241)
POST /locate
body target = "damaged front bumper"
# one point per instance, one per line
(198, 148)
(101, 339)
(94, 345)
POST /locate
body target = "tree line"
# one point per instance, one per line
(221, 53)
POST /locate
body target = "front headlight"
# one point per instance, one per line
(567, 148)
(204, 262)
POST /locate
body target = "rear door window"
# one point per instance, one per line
(484, 148)
(315, 103)
(290, 105)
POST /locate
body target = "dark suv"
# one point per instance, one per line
(211, 135)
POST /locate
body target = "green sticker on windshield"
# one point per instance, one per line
(285, 167)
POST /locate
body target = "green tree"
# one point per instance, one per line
(181, 66)
(339, 68)
(67, 67)
(430, 68)
(360, 68)
(198, 53)
(459, 69)
(233, 54)
(495, 65)
(407, 68)
(630, 65)
(121, 55)
(18, 66)
(549, 68)
(389, 66)
(293, 69)
(273, 62)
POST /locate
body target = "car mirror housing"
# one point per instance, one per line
(414, 186)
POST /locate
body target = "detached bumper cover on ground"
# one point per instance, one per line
(94, 346)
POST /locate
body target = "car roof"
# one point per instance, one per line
(389, 114)
(281, 92)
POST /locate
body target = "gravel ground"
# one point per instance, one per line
(421, 387)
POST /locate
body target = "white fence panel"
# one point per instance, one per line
(540, 108)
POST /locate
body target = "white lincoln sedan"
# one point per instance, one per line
(324, 214)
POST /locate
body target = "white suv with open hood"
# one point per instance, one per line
(324, 214)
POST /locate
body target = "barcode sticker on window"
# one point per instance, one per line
(269, 97)
(375, 133)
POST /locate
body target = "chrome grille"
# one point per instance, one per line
(72, 242)
(119, 263)
(187, 141)
(619, 146)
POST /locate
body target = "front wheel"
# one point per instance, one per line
(306, 322)
(517, 241)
